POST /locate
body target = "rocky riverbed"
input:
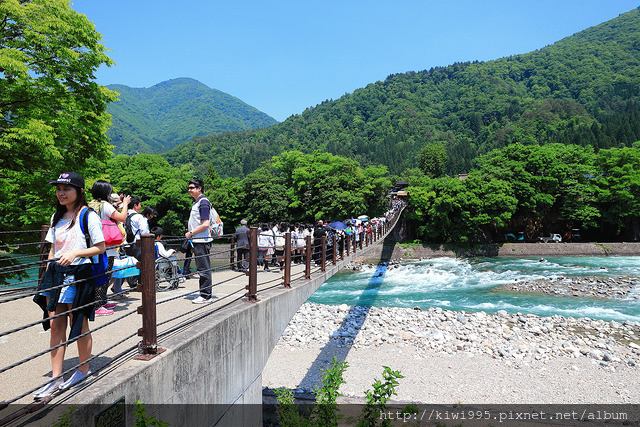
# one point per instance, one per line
(589, 287)
(515, 339)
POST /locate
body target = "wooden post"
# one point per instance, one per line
(334, 252)
(252, 287)
(287, 261)
(347, 242)
(232, 252)
(307, 260)
(323, 249)
(149, 346)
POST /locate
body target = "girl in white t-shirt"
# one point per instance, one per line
(265, 242)
(66, 286)
(101, 192)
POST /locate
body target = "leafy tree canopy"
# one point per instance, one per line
(157, 184)
(52, 114)
(533, 189)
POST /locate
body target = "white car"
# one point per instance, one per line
(551, 239)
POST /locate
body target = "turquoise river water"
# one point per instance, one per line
(473, 284)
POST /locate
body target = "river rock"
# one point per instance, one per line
(523, 339)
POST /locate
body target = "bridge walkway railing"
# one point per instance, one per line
(144, 316)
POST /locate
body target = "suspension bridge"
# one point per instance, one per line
(191, 364)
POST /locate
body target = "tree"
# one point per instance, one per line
(551, 184)
(265, 196)
(433, 159)
(324, 186)
(618, 190)
(52, 114)
(157, 183)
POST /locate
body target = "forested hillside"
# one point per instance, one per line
(581, 90)
(156, 119)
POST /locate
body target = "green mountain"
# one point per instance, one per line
(583, 89)
(156, 119)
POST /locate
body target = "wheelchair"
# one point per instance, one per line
(167, 273)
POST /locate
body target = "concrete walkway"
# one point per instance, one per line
(115, 338)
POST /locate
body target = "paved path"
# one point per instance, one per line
(115, 336)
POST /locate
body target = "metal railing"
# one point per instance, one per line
(315, 254)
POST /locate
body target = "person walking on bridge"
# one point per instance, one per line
(242, 246)
(68, 286)
(200, 234)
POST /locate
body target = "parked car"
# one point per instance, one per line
(551, 239)
(510, 237)
(572, 236)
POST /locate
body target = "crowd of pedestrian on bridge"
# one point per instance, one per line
(81, 232)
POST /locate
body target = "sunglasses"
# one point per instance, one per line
(191, 187)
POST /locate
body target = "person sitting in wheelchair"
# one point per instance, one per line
(166, 263)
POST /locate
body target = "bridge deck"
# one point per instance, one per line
(174, 311)
(226, 336)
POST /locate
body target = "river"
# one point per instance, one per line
(474, 284)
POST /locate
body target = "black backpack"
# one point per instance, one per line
(127, 227)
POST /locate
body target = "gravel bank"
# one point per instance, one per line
(588, 287)
(448, 357)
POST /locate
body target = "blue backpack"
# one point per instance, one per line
(99, 263)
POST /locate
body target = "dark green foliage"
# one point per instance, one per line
(158, 184)
(302, 187)
(65, 418)
(534, 189)
(156, 119)
(142, 420)
(52, 114)
(433, 159)
(582, 90)
(291, 187)
(617, 191)
(325, 411)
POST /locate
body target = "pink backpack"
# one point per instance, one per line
(112, 231)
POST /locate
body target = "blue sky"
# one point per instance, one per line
(284, 56)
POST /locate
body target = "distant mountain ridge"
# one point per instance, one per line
(156, 119)
(581, 90)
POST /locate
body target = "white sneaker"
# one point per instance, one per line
(75, 379)
(201, 300)
(48, 389)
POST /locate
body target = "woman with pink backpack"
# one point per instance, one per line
(101, 203)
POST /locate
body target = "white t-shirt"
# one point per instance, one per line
(139, 226)
(66, 240)
(166, 253)
(298, 235)
(279, 240)
(265, 239)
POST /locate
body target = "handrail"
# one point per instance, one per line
(343, 247)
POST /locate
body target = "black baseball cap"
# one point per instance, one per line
(71, 178)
